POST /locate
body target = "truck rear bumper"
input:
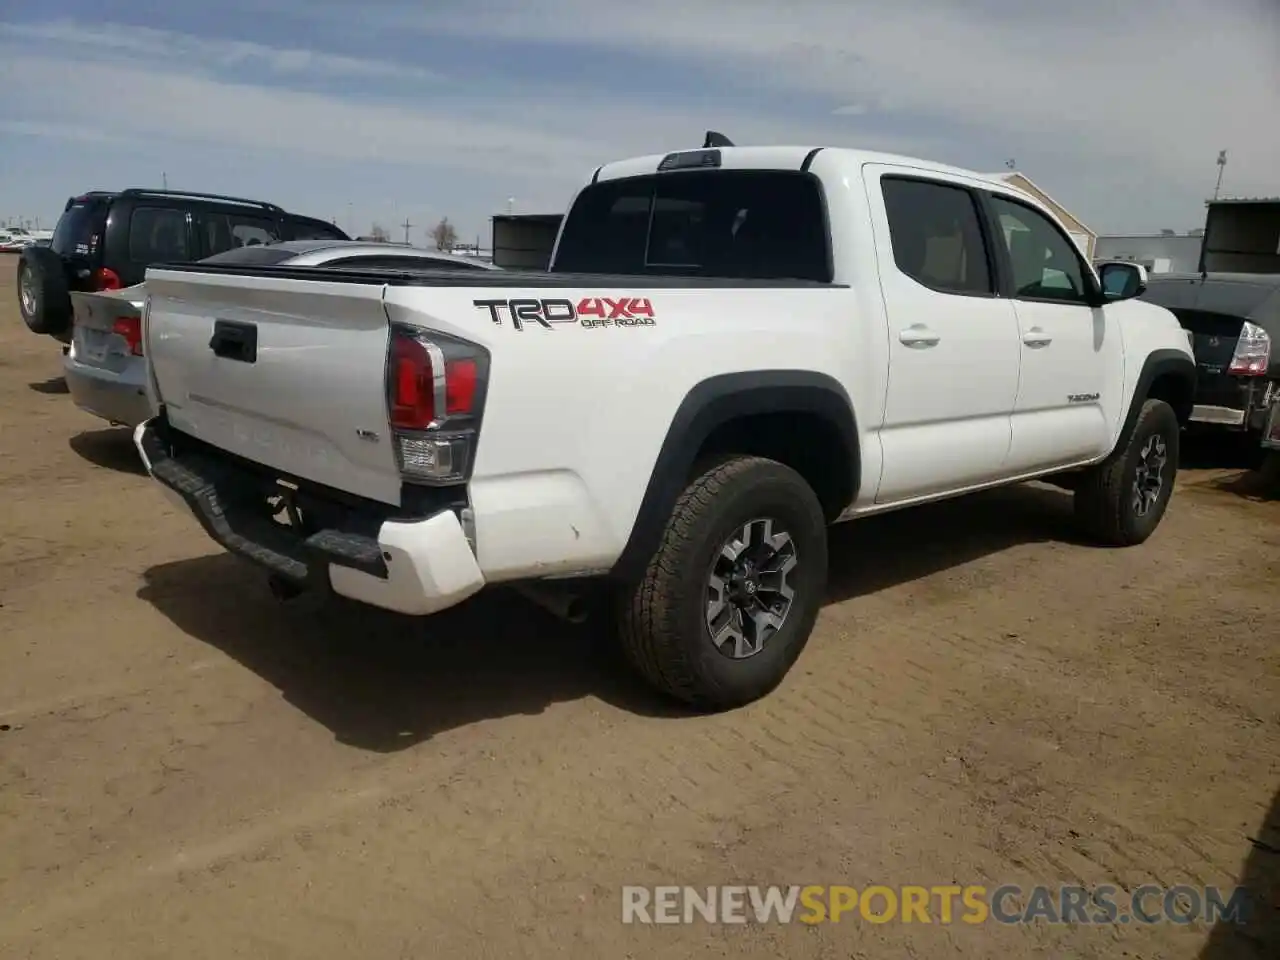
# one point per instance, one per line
(412, 566)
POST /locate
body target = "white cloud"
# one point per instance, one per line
(1158, 86)
(170, 86)
(117, 42)
(58, 131)
(1118, 110)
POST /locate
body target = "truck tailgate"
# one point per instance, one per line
(285, 372)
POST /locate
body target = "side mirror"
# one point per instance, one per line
(1122, 280)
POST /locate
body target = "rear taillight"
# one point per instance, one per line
(131, 329)
(106, 279)
(1252, 355)
(435, 389)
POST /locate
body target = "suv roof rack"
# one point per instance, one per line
(196, 195)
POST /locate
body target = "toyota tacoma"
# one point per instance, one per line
(733, 348)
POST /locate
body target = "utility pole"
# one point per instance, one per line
(1222, 166)
(406, 226)
(164, 177)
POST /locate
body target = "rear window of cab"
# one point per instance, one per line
(733, 224)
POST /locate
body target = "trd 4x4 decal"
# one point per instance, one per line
(588, 312)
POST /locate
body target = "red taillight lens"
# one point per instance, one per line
(413, 396)
(414, 386)
(131, 329)
(434, 391)
(106, 279)
(460, 381)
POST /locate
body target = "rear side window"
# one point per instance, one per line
(74, 232)
(159, 235)
(230, 231)
(737, 224)
(936, 237)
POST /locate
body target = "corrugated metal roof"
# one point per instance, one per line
(1243, 200)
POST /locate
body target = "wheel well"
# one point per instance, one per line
(1175, 390)
(808, 443)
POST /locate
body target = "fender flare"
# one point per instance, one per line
(1159, 363)
(713, 403)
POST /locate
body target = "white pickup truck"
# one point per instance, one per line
(734, 347)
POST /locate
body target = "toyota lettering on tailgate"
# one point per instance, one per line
(590, 312)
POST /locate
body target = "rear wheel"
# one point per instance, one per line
(729, 599)
(1121, 501)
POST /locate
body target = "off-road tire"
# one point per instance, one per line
(1104, 498)
(661, 618)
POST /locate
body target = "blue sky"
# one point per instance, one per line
(388, 109)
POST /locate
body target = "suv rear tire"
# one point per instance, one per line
(43, 297)
(1121, 501)
(729, 598)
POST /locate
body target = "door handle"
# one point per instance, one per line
(1035, 337)
(918, 335)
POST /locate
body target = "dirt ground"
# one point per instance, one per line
(188, 769)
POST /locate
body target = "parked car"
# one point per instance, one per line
(105, 241)
(105, 366)
(1232, 308)
(15, 239)
(732, 349)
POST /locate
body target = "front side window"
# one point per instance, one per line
(1045, 264)
(735, 224)
(936, 235)
(158, 235)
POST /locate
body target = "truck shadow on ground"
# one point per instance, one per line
(111, 447)
(384, 682)
(1258, 936)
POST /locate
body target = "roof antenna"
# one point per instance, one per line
(716, 140)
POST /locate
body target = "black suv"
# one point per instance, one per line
(106, 240)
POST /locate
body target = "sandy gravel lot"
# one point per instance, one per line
(188, 769)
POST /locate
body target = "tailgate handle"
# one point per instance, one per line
(235, 341)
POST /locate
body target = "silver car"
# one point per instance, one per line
(104, 365)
